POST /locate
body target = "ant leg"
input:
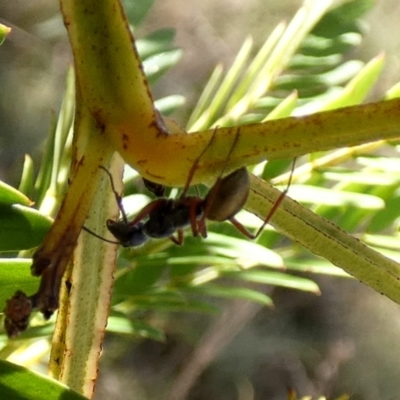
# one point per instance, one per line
(214, 192)
(143, 212)
(196, 163)
(192, 205)
(146, 210)
(193, 217)
(179, 240)
(277, 203)
(240, 227)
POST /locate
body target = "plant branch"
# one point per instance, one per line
(116, 93)
(326, 240)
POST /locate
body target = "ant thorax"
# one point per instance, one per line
(168, 215)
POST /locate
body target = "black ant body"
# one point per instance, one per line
(163, 217)
(167, 216)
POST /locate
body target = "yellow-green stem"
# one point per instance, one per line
(327, 240)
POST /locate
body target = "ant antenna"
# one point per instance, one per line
(118, 199)
(99, 237)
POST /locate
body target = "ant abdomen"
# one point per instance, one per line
(228, 196)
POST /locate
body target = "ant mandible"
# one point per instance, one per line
(163, 217)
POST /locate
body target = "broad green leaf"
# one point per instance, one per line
(18, 383)
(22, 227)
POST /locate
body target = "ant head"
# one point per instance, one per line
(128, 236)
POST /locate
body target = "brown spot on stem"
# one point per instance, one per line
(125, 141)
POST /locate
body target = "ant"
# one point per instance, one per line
(166, 216)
